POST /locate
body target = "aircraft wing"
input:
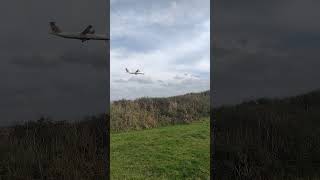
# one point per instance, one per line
(97, 37)
(87, 30)
(137, 70)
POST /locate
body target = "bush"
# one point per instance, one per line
(145, 113)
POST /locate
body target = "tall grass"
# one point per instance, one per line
(147, 113)
(45, 149)
(269, 139)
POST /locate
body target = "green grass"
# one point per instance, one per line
(173, 152)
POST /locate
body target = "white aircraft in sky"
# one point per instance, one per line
(85, 35)
(135, 73)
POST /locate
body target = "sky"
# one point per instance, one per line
(45, 75)
(264, 49)
(168, 40)
(261, 49)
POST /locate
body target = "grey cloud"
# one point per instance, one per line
(34, 61)
(43, 74)
(136, 80)
(141, 80)
(183, 82)
(178, 77)
(185, 76)
(120, 81)
(96, 60)
(258, 49)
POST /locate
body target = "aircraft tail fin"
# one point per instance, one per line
(54, 27)
(87, 30)
(127, 70)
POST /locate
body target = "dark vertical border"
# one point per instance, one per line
(106, 124)
(212, 118)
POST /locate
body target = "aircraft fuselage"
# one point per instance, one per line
(83, 37)
(136, 73)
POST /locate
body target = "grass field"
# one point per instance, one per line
(173, 152)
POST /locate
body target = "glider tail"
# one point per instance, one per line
(54, 27)
(127, 70)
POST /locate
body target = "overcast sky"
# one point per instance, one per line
(45, 75)
(168, 40)
(265, 48)
(262, 48)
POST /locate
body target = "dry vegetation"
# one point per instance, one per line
(269, 139)
(53, 150)
(146, 113)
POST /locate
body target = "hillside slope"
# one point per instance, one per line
(173, 152)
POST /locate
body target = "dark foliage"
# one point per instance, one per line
(269, 139)
(47, 149)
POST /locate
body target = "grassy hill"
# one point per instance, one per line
(172, 152)
(269, 138)
(259, 139)
(49, 149)
(145, 145)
